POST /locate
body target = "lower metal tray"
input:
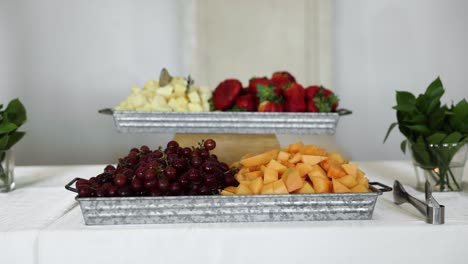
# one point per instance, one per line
(226, 122)
(237, 208)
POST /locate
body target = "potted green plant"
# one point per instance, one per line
(11, 119)
(435, 134)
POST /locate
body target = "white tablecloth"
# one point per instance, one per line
(40, 222)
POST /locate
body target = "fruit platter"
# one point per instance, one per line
(275, 105)
(179, 184)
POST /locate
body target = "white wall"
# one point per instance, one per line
(66, 59)
(387, 45)
(72, 58)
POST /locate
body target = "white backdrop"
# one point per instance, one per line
(387, 45)
(67, 59)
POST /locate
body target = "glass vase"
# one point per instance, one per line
(7, 166)
(440, 164)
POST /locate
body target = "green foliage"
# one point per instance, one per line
(11, 119)
(430, 127)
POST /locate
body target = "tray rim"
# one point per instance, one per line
(375, 192)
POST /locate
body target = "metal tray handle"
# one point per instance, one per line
(343, 112)
(384, 188)
(68, 185)
(106, 111)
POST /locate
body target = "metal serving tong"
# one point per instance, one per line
(431, 209)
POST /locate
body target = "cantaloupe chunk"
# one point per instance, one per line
(306, 188)
(240, 177)
(269, 175)
(283, 155)
(351, 168)
(224, 192)
(244, 170)
(292, 180)
(335, 171)
(260, 159)
(254, 168)
(317, 171)
(279, 187)
(296, 158)
(360, 189)
(303, 169)
(243, 189)
(253, 174)
(322, 185)
(349, 181)
(360, 173)
(313, 150)
(364, 182)
(338, 187)
(231, 189)
(256, 185)
(267, 189)
(245, 182)
(273, 164)
(325, 164)
(336, 157)
(288, 164)
(312, 160)
(294, 148)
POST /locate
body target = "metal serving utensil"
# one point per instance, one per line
(431, 209)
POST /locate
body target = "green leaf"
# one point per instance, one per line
(433, 105)
(1, 106)
(459, 114)
(437, 119)
(405, 100)
(403, 146)
(419, 128)
(404, 108)
(14, 138)
(15, 112)
(4, 141)
(435, 89)
(454, 137)
(436, 138)
(392, 126)
(418, 118)
(420, 152)
(7, 127)
(404, 97)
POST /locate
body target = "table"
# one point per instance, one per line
(40, 222)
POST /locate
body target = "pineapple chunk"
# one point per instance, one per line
(195, 107)
(194, 97)
(165, 91)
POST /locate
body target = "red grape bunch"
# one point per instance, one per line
(172, 171)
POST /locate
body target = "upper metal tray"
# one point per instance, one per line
(226, 122)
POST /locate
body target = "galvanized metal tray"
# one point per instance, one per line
(237, 208)
(226, 122)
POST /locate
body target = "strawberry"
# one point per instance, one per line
(225, 93)
(256, 81)
(282, 78)
(295, 98)
(269, 99)
(311, 91)
(270, 107)
(311, 107)
(245, 103)
(320, 99)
